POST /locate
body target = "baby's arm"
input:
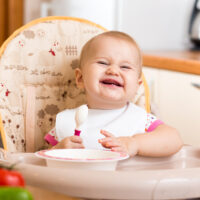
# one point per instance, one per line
(70, 142)
(162, 141)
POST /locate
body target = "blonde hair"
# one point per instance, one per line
(113, 34)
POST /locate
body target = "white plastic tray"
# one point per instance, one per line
(175, 177)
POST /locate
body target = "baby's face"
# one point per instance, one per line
(109, 73)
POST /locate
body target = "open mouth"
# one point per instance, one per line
(111, 82)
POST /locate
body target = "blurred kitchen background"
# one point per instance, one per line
(157, 25)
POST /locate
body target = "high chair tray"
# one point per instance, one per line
(174, 177)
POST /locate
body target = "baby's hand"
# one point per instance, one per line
(72, 142)
(119, 144)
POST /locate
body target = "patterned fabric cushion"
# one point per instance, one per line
(42, 55)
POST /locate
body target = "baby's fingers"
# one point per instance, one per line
(106, 133)
(76, 139)
(109, 143)
(77, 146)
(106, 139)
(118, 149)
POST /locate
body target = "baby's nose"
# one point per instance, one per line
(113, 70)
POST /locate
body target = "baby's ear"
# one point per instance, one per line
(140, 81)
(79, 78)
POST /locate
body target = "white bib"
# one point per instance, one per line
(125, 121)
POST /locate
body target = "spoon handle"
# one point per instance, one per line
(77, 132)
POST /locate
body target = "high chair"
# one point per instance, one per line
(37, 81)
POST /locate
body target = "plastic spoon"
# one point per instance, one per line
(80, 117)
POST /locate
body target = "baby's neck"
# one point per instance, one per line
(106, 106)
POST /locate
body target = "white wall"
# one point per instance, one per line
(155, 24)
(31, 10)
(99, 11)
(102, 12)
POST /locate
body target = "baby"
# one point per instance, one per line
(110, 71)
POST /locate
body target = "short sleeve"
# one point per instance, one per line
(152, 122)
(51, 137)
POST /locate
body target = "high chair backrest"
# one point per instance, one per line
(37, 80)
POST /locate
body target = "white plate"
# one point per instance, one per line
(82, 158)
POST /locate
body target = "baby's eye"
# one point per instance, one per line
(125, 67)
(102, 62)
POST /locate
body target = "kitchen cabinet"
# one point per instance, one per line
(176, 101)
(11, 17)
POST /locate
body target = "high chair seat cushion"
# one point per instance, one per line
(37, 78)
